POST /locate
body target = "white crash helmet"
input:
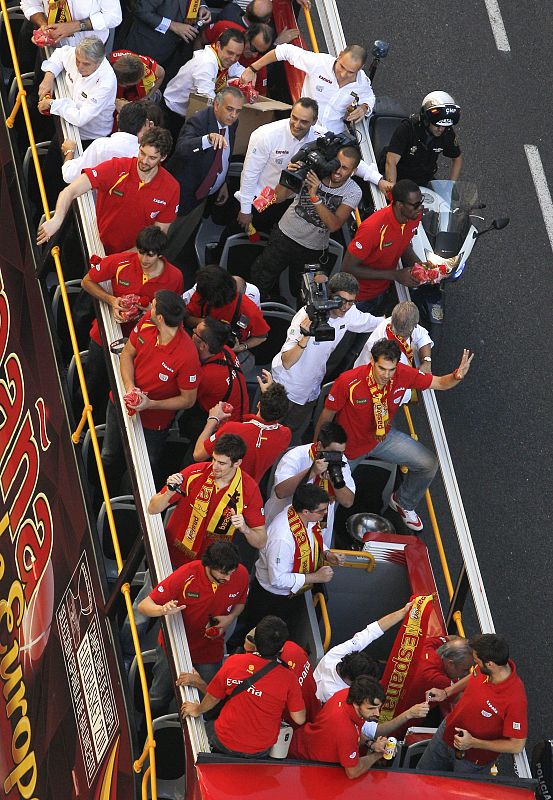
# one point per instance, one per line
(439, 108)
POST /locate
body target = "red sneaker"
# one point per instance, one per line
(409, 517)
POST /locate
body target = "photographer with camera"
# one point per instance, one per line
(301, 364)
(324, 200)
(322, 464)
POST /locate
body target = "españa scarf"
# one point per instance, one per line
(222, 75)
(305, 559)
(58, 11)
(380, 405)
(218, 526)
(403, 343)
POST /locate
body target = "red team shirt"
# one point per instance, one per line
(489, 711)
(265, 443)
(125, 205)
(379, 243)
(350, 397)
(298, 662)
(215, 382)
(252, 510)
(126, 276)
(257, 325)
(162, 370)
(333, 736)
(190, 586)
(144, 85)
(250, 722)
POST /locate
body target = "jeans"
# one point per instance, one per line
(398, 448)
(369, 305)
(297, 418)
(440, 757)
(282, 252)
(162, 690)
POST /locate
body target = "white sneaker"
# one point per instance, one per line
(409, 517)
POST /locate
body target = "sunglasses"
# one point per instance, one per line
(414, 205)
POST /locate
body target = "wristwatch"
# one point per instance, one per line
(427, 358)
(82, 25)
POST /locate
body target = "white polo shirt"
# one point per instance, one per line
(292, 463)
(103, 14)
(274, 566)
(118, 145)
(303, 380)
(269, 151)
(197, 76)
(327, 679)
(321, 84)
(91, 100)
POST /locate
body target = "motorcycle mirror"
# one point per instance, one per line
(497, 225)
(380, 49)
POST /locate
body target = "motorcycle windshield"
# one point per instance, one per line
(446, 214)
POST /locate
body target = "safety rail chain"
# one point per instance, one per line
(331, 26)
(91, 236)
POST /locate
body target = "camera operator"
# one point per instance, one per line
(301, 364)
(321, 463)
(320, 208)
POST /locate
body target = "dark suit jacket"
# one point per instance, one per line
(189, 164)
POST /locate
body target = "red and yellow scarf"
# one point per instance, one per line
(403, 343)
(58, 11)
(219, 525)
(380, 405)
(306, 560)
(222, 75)
(324, 483)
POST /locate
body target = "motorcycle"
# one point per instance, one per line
(444, 242)
(448, 231)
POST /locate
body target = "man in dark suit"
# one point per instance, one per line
(200, 164)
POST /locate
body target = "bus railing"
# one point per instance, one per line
(86, 418)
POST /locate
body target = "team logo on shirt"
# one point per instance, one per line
(167, 367)
(234, 594)
(359, 245)
(154, 214)
(322, 78)
(161, 202)
(387, 244)
(354, 754)
(163, 377)
(192, 379)
(516, 726)
(493, 708)
(486, 713)
(195, 595)
(361, 401)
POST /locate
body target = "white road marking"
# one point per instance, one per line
(498, 28)
(542, 189)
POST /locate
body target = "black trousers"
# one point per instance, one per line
(282, 252)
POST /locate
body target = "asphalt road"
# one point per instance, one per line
(499, 422)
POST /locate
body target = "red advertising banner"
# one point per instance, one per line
(63, 724)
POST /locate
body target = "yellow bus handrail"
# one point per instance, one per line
(319, 600)
(310, 29)
(457, 616)
(359, 556)
(21, 103)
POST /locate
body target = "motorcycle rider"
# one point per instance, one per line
(418, 141)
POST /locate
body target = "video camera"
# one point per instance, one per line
(320, 156)
(317, 304)
(335, 464)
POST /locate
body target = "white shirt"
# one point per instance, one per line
(321, 84)
(197, 76)
(273, 568)
(303, 380)
(269, 151)
(103, 14)
(118, 145)
(91, 100)
(419, 338)
(251, 291)
(292, 463)
(326, 677)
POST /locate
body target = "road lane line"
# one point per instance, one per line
(542, 189)
(498, 28)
